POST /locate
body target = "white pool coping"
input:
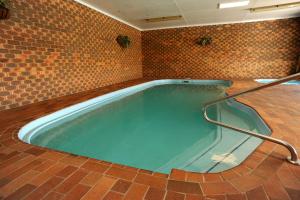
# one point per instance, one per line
(294, 82)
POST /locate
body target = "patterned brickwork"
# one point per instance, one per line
(54, 48)
(248, 50)
(59, 47)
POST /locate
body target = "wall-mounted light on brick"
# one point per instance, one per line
(4, 11)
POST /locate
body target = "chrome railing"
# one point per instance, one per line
(294, 159)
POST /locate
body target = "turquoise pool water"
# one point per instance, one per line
(158, 129)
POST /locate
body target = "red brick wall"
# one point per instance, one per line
(246, 50)
(52, 48)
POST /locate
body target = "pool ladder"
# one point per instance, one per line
(294, 158)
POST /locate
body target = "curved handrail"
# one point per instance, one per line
(294, 159)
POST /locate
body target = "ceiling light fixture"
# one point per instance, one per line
(275, 7)
(234, 4)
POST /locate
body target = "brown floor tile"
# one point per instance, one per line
(53, 155)
(218, 188)
(12, 167)
(44, 165)
(53, 196)
(212, 178)
(121, 173)
(100, 189)
(257, 193)
(93, 166)
(13, 160)
(117, 165)
(131, 168)
(67, 171)
(229, 174)
(287, 178)
(174, 196)
(178, 175)
(17, 183)
(267, 147)
(46, 175)
(113, 196)
(24, 169)
(41, 191)
(161, 175)
(35, 151)
(215, 197)
(246, 183)
(274, 189)
(254, 160)
(236, 197)
(77, 192)
(295, 170)
(4, 181)
(6, 152)
(293, 194)
(194, 197)
(91, 179)
(184, 187)
(242, 170)
(8, 156)
(76, 161)
(136, 192)
(143, 171)
(155, 194)
(21, 192)
(121, 186)
(19, 146)
(152, 181)
(104, 162)
(70, 182)
(195, 177)
(268, 167)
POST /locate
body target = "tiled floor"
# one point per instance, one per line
(30, 172)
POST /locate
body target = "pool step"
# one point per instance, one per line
(241, 151)
(219, 153)
(191, 154)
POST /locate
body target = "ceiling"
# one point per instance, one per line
(194, 12)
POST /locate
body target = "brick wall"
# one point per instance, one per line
(59, 47)
(54, 48)
(247, 50)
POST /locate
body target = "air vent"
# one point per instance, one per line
(161, 19)
(275, 7)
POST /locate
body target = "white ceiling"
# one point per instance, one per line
(194, 12)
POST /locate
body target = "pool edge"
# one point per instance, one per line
(125, 92)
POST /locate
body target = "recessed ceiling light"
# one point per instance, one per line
(233, 4)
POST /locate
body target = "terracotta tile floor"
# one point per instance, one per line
(30, 172)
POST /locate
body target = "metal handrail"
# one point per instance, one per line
(294, 159)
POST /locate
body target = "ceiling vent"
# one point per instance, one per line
(275, 7)
(161, 19)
